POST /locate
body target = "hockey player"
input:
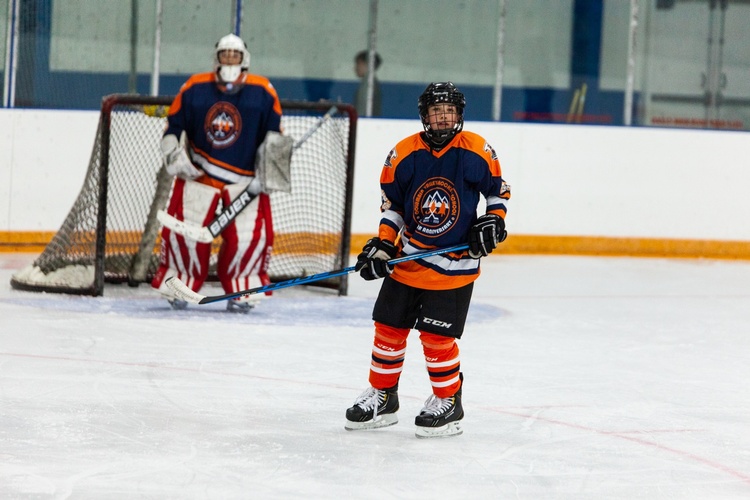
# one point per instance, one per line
(224, 116)
(431, 182)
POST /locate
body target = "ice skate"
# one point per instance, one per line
(373, 409)
(177, 304)
(244, 303)
(239, 307)
(440, 417)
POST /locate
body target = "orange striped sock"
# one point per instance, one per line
(388, 350)
(443, 363)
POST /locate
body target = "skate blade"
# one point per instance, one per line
(376, 423)
(450, 429)
(177, 304)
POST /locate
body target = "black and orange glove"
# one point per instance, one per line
(372, 262)
(486, 233)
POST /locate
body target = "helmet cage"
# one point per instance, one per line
(230, 72)
(441, 93)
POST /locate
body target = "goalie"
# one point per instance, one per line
(225, 116)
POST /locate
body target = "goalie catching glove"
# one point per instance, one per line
(485, 234)
(372, 262)
(176, 159)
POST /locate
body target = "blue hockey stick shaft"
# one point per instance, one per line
(326, 275)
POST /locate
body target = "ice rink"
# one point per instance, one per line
(585, 378)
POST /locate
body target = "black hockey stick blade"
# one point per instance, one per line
(182, 291)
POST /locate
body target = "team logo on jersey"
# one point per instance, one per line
(436, 207)
(223, 125)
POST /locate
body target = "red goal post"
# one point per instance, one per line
(111, 234)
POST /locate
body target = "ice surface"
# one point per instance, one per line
(586, 378)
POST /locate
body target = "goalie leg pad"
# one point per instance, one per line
(179, 256)
(245, 251)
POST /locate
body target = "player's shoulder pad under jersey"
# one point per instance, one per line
(478, 144)
(194, 80)
(404, 148)
(251, 79)
(264, 82)
(197, 79)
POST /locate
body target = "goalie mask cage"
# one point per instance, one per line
(111, 234)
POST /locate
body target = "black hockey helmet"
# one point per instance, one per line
(437, 93)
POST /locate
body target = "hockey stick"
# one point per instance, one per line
(206, 234)
(181, 290)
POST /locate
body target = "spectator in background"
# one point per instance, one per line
(360, 99)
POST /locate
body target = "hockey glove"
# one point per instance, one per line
(176, 159)
(485, 234)
(372, 262)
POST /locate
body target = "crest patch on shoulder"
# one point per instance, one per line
(389, 159)
(491, 150)
(385, 203)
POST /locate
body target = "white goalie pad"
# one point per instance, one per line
(273, 163)
(196, 202)
(181, 291)
(188, 230)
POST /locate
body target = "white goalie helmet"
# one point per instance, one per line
(230, 72)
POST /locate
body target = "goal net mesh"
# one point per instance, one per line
(111, 234)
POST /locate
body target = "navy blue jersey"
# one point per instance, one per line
(431, 198)
(224, 129)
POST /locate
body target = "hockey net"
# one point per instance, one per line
(111, 234)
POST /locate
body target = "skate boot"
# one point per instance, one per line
(441, 417)
(177, 304)
(244, 304)
(239, 307)
(374, 408)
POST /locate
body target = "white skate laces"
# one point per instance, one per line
(370, 399)
(440, 417)
(374, 408)
(437, 406)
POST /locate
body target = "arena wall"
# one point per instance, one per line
(576, 188)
